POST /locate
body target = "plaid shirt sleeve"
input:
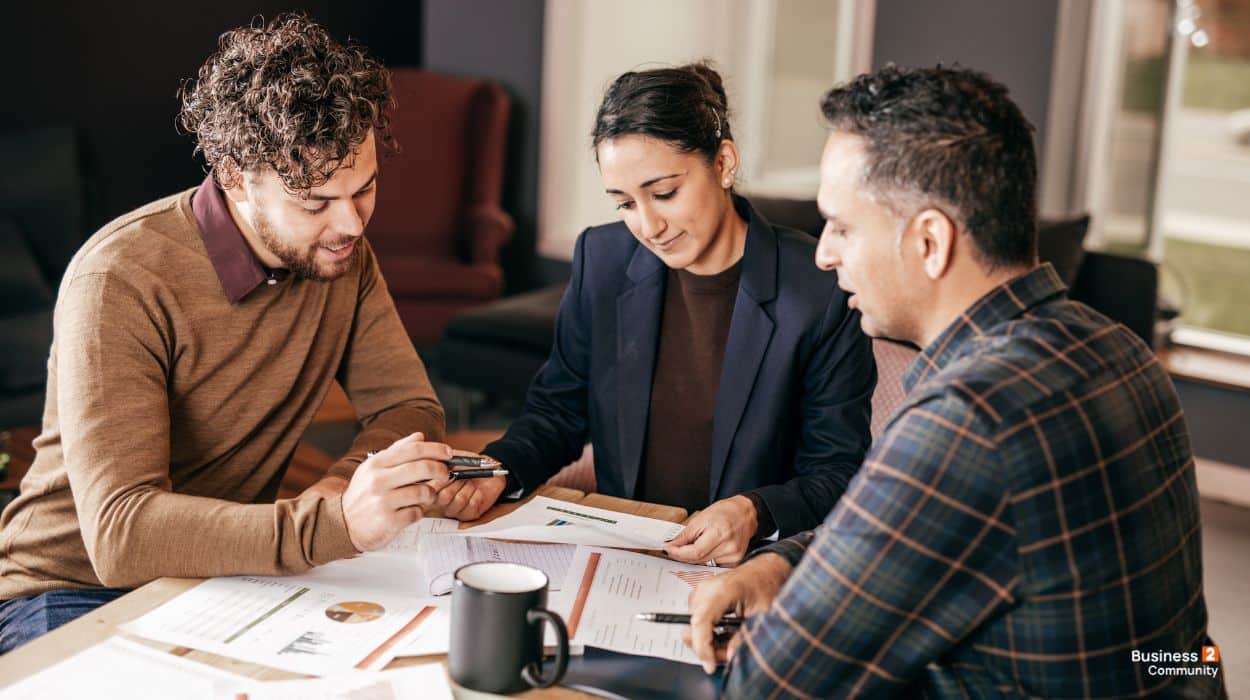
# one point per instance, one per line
(870, 602)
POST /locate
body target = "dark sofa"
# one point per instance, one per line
(42, 223)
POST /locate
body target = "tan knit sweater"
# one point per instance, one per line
(172, 413)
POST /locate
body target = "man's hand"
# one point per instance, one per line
(327, 488)
(745, 591)
(721, 532)
(467, 499)
(384, 496)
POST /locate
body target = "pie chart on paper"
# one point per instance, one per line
(355, 611)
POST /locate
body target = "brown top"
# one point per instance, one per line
(173, 412)
(694, 327)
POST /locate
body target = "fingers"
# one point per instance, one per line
(687, 535)
(413, 495)
(709, 601)
(450, 491)
(697, 552)
(409, 450)
(724, 646)
(728, 553)
(456, 505)
(418, 470)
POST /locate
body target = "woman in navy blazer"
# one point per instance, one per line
(789, 406)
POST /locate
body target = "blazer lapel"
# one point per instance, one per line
(750, 332)
(638, 333)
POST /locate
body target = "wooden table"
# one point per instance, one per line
(104, 621)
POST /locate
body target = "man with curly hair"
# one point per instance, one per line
(196, 337)
(1027, 523)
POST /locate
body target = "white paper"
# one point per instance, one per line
(432, 636)
(613, 587)
(409, 539)
(285, 623)
(427, 681)
(545, 519)
(397, 576)
(442, 554)
(120, 668)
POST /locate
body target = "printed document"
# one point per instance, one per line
(606, 590)
(427, 681)
(286, 623)
(545, 519)
(120, 668)
(442, 554)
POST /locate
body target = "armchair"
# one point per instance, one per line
(42, 222)
(438, 226)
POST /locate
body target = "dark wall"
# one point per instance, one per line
(113, 71)
(1012, 40)
(503, 40)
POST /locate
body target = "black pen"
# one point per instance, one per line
(462, 474)
(461, 461)
(725, 625)
(458, 474)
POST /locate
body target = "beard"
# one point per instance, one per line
(303, 263)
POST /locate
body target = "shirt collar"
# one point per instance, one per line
(236, 265)
(1003, 303)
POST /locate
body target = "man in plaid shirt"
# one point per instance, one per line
(1027, 524)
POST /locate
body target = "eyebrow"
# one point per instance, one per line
(325, 198)
(648, 183)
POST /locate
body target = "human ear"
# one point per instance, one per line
(230, 177)
(727, 162)
(935, 235)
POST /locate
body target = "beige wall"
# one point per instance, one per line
(587, 44)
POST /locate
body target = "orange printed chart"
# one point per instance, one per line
(692, 578)
(355, 611)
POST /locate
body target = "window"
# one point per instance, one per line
(1173, 134)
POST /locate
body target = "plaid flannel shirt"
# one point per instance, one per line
(1028, 518)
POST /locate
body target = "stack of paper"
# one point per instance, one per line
(545, 519)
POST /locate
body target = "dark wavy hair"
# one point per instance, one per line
(285, 96)
(949, 138)
(685, 106)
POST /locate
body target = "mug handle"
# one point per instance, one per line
(533, 672)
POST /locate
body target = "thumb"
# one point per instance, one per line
(687, 535)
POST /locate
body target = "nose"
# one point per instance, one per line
(651, 224)
(827, 255)
(349, 220)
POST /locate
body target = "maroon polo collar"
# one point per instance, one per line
(236, 265)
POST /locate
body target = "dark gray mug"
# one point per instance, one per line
(497, 615)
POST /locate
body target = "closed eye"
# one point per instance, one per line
(665, 195)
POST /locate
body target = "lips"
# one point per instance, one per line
(666, 245)
(341, 251)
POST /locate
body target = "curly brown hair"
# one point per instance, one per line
(285, 96)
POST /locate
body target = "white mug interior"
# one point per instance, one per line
(501, 577)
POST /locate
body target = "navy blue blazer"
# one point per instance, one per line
(793, 404)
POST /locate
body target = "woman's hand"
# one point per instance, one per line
(718, 535)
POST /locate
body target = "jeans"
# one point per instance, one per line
(25, 619)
